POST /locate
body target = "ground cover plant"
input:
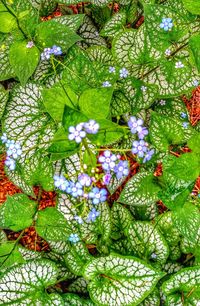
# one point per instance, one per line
(96, 118)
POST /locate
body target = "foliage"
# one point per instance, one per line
(90, 108)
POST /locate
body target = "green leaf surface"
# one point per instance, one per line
(9, 255)
(140, 190)
(113, 26)
(7, 71)
(28, 282)
(7, 22)
(121, 219)
(120, 280)
(194, 45)
(71, 299)
(4, 95)
(95, 103)
(17, 212)
(51, 33)
(23, 60)
(51, 225)
(192, 6)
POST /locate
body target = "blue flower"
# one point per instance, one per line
(168, 52)
(135, 124)
(30, 45)
(162, 102)
(183, 115)
(46, 54)
(78, 219)
(179, 65)
(166, 24)
(185, 125)
(14, 149)
(4, 138)
(10, 163)
(112, 69)
(108, 160)
(195, 83)
(60, 182)
(77, 133)
(75, 189)
(98, 195)
(122, 169)
(74, 238)
(107, 178)
(139, 147)
(91, 127)
(84, 179)
(93, 214)
(56, 50)
(144, 132)
(143, 88)
(148, 155)
(123, 73)
(106, 84)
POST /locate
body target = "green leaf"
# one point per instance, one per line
(165, 131)
(140, 190)
(185, 280)
(192, 6)
(7, 71)
(168, 229)
(186, 167)
(28, 282)
(76, 257)
(95, 103)
(100, 54)
(7, 22)
(109, 132)
(51, 33)
(56, 98)
(120, 280)
(23, 60)
(194, 46)
(17, 212)
(9, 255)
(146, 240)
(51, 225)
(121, 220)
(72, 21)
(3, 98)
(187, 220)
(194, 143)
(72, 117)
(113, 26)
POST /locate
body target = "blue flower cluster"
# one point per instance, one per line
(77, 133)
(140, 147)
(111, 163)
(13, 151)
(166, 24)
(47, 52)
(185, 124)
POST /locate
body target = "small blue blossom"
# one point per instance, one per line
(14, 150)
(195, 83)
(106, 84)
(84, 179)
(4, 138)
(123, 73)
(148, 155)
(91, 127)
(108, 160)
(56, 50)
(74, 238)
(143, 133)
(98, 195)
(10, 163)
(139, 147)
(30, 45)
(162, 102)
(185, 125)
(166, 24)
(46, 54)
(168, 52)
(75, 189)
(77, 133)
(183, 115)
(143, 88)
(154, 256)
(135, 124)
(60, 182)
(121, 169)
(112, 69)
(179, 65)
(78, 219)
(9, 142)
(93, 214)
(106, 178)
